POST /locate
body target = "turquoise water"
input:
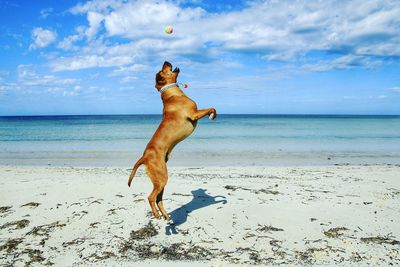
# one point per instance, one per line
(230, 140)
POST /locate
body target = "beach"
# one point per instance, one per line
(230, 216)
(246, 190)
(270, 130)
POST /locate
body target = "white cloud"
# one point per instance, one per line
(68, 43)
(341, 34)
(97, 6)
(129, 70)
(90, 61)
(44, 13)
(42, 38)
(148, 18)
(342, 62)
(27, 77)
(128, 79)
(29, 82)
(72, 92)
(94, 20)
(395, 89)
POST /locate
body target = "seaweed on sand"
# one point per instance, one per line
(16, 224)
(44, 230)
(75, 242)
(268, 228)
(95, 257)
(11, 244)
(380, 240)
(335, 232)
(267, 191)
(138, 243)
(144, 233)
(178, 251)
(31, 205)
(174, 252)
(5, 210)
(35, 256)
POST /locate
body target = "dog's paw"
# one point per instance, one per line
(212, 116)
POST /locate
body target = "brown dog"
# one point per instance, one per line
(180, 115)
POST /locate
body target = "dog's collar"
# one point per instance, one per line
(168, 86)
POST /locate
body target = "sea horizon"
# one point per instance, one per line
(219, 114)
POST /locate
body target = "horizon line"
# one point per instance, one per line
(223, 114)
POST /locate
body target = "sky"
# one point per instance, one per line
(256, 57)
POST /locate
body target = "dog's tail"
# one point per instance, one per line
(138, 163)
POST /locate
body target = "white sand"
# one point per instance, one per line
(239, 216)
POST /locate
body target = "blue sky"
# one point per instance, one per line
(274, 57)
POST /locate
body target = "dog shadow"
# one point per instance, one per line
(200, 200)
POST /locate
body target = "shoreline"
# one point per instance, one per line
(225, 216)
(200, 159)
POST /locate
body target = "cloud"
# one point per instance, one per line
(343, 62)
(90, 61)
(42, 38)
(97, 6)
(68, 43)
(27, 79)
(44, 13)
(148, 18)
(94, 20)
(315, 35)
(130, 73)
(130, 69)
(395, 89)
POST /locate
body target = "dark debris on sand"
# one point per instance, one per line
(75, 242)
(16, 224)
(11, 244)
(35, 256)
(27, 254)
(174, 252)
(144, 233)
(268, 228)
(31, 205)
(255, 191)
(380, 240)
(95, 257)
(180, 251)
(46, 229)
(335, 232)
(138, 243)
(5, 210)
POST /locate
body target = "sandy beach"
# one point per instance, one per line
(334, 215)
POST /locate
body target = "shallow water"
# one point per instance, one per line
(119, 140)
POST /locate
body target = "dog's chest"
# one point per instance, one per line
(183, 105)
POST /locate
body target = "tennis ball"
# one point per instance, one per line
(168, 29)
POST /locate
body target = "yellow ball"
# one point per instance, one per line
(168, 29)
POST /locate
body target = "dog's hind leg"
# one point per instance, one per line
(159, 177)
(161, 206)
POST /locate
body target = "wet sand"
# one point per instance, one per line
(335, 215)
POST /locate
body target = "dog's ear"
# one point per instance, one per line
(167, 65)
(160, 81)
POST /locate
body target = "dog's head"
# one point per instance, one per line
(166, 75)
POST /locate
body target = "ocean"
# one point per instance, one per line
(231, 140)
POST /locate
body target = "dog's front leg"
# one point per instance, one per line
(200, 113)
